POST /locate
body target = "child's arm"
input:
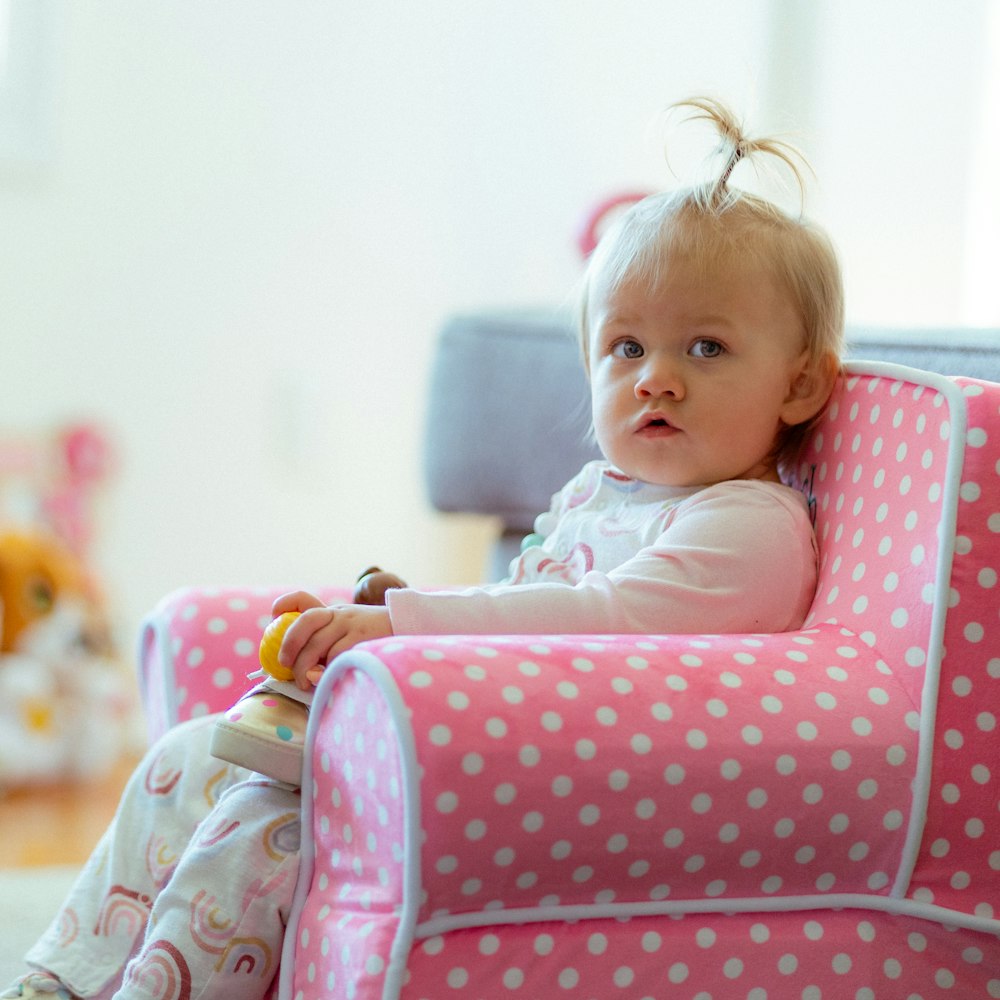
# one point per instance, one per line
(737, 557)
(321, 632)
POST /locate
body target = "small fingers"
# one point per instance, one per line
(303, 643)
(297, 600)
(320, 633)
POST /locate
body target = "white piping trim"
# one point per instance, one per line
(958, 420)
(894, 904)
(154, 632)
(371, 666)
(767, 904)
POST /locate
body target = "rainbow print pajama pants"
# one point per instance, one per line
(188, 892)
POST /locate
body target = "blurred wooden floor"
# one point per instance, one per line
(58, 824)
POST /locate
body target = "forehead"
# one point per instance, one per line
(741, 297)
(682, 283)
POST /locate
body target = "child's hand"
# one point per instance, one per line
(299, 600)
(320, 633)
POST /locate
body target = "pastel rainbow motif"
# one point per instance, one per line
(123, 912)
(212, 786)
(210, 929)
(162, 972)
(282, 835)
(249, 956)
(160, 860)
(257, 888)
(583, 488)
(573, 568)
(67, 927)
(212, 835)
(161, 780)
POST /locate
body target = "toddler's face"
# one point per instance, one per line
(692, 381)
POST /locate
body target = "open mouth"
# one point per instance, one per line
(656, 425)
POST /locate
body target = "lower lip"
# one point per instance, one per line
(657, 431)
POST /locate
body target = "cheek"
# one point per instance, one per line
(605, 389)
(597, 398)
(604, 402)
(598, 418)
(602, 417)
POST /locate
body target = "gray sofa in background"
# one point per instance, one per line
(509, 412)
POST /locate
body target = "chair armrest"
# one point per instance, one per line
(197, 647)
(452, 778)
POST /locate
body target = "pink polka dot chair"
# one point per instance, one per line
(810, 814)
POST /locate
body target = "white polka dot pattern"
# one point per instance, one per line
(876, 469)
(959, 863)
(549, 781)
(350, 920)
(198, 646)
(651, 784)
(772, 956)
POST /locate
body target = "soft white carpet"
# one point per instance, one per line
(28, 900)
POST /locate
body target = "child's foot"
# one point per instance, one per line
(38, 984)
(264, 731)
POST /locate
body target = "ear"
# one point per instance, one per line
(812, 383)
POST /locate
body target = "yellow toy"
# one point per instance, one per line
(270, 644)
(370, 589)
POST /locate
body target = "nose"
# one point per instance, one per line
(659, 377)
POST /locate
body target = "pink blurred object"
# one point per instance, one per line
(601, 215)
(51, 480)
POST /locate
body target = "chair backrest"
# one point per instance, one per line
(959, 862)
(904, 475)
(880, 474)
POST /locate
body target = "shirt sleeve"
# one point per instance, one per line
(737, 557)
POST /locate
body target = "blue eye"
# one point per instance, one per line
(628, 349)
(707, 349)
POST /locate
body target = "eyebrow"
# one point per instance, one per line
(695, 321)
(615, 316)
(710, 319)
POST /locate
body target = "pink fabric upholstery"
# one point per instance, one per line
(810, 814)
(198, 645)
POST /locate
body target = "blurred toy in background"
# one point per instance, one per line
(86, 462)
(66, 701)
(48, 604)
(600, 217)
(65, 705)
(52, 481)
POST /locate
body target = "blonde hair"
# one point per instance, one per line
(712, 225)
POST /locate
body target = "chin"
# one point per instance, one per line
(661, 477)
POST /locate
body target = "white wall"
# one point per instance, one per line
(895, 121)
(258, 213)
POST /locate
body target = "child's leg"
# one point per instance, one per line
(105, 915)
(217, 927)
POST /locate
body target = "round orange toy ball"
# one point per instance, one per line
(270, 643)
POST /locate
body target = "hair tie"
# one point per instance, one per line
(738, 153)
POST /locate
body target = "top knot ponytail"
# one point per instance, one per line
(736, 145)
(713, 227)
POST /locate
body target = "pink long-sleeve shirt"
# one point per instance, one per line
(619, 556)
